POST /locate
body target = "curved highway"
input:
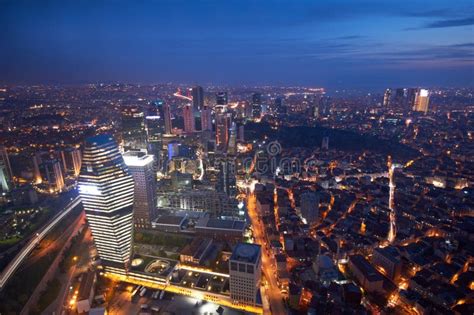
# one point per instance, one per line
(28, 248)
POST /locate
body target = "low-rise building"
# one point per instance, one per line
(195, 252)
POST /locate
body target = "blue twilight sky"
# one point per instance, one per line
(331, 43)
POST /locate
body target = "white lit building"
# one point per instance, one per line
(244, 273)
(422, 99)
(6, 177)
(106, 189)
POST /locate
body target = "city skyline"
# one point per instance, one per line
(335, 44)
(237, 157)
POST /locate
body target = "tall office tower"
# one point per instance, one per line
(167, 113)
(223, 122)
(227, 181)
(324, 105)
(106, 189)
(221, 98)
(157, 120)
(325, 143)
(410, 98)
(256, 105)
(232, 146)
(422, 99)
(71, 158)
(400, 98)
(140, 166)
(241, 137)
(133, 128)
(244, 273)
(198, 98)
(51, 174)
(188, 116)
(315, 112)
(309, 206)
(280, 105)
(387, 97)
(206, 119)
(247, 110)
(6, 175)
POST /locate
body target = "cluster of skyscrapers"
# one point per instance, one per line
(416, 99)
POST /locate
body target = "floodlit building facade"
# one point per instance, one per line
(107, 192)
(245, 273)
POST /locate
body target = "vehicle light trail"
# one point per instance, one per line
(27, 249)
(392, 233)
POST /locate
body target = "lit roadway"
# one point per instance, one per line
(26, 250)
(273, 291)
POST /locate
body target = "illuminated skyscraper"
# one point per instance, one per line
(221, 98)
(227, 177)
(232, 145)
(387, 97)
(167, 118)
(422, 99)
(245, 272)
(71, 158)
(6, 177)
(206, 119)
(106, 189)
(133, 128)
(257, 105)
(198, 98)
(188, 116)
(51, 175)
(223, 122)
(140, 166)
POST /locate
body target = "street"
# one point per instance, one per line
(272, 292)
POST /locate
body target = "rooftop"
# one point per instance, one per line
(170, 220)
(245, 252)
(137, 158)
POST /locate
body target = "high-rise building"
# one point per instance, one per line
(106, 189)
(6, 175)
(71, 158)
(198, 98)
(241, 137)
(188, 116)
(244, 273)
(51, 175)
(324, 105)
(387, 97)
(309, 206)
(232, 146)
(206, 119)
(167, 118)
(257, 105)
(247, 110)
(422, 99)
(227, 182)
(133, 128)
(223, 123)
(140, 166)
(280, 105)
(222, 98)
(156, 121)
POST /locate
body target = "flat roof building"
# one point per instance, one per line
(245, 273)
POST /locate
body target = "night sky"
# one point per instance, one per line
(332, 43)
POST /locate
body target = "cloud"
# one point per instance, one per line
(450, 23)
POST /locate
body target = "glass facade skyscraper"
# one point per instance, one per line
(107, 191)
